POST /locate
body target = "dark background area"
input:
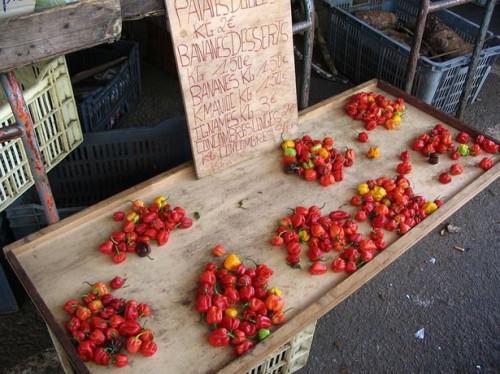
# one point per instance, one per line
(453, 295)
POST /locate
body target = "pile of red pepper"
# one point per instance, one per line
(391, 204)
(332, 233)
(376, 110)
(237, 304)
(103, 326)
(439, 140)
(142, 225)
(315, 159)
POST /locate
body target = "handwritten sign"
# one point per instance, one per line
(236, 67)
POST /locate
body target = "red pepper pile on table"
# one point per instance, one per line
(237, 304)
(142, 225)
(439, 141)
(335, 232)
(104, 327)
(375, 110)
(315, 159)
(391, 204)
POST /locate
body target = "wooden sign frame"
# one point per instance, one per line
(236, 67)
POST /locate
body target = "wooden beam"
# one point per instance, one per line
(31, 38)
(133, 9)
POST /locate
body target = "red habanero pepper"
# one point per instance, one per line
(214, 315)
(339, 215)
(248, 328)
(208, 277)
(133, 344)
(232, 295)
(129, 328)
(259, 281)
(203, 302)
(117, 282)
(240, 270)
(120, 360)
(244, 281)
(238, 337)
(260, 292)
(101, 357)
(98, 337)
(144, 310)
(98, 323)
(257, 306)
(243, 347)
(86, 350)
(219, 337)
(205, 289)
(146, 335)
(318, 268)
(71, 305)
(486, 163)
(162, 237)
(262, 322)
(220, 301)
(246, 293)
(148, 348)
(263, 271)
(228, 280)
(230, 323)
(131, 313)
(111, 333)
(116, 320)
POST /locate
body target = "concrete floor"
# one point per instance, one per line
(454, 296)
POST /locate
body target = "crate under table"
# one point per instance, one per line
(53, 263)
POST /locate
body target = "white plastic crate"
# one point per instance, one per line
(49, 95)
(291, 357)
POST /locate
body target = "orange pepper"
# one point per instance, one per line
(274, 303)
(278, 318)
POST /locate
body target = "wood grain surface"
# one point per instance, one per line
(236, 68)
(57, 31)
(59, 258)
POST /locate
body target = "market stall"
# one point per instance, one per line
(238, 207)
(237, 77)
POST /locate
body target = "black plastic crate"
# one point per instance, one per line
(362, 52)
(105, 164)
(102, 108)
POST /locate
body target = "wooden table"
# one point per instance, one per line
(53, 263)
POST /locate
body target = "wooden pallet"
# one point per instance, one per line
(53, 263)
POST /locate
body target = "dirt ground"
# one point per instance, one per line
(453, 296)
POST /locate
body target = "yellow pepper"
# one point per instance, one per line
(304, 235)
(363, 189)
(161, 201)
(323, 152)
(275, 291)
(379, 193)
(288, 144)
(133, 217)
(373, 152)
(137, 205)
(430, 207)
(231, 262)
(397, 119)
(231, 312)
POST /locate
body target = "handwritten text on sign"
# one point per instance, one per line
(235, 61)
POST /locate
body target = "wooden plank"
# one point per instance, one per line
(134, 9)
(236, 67)
(57, 31)
(69, 250)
